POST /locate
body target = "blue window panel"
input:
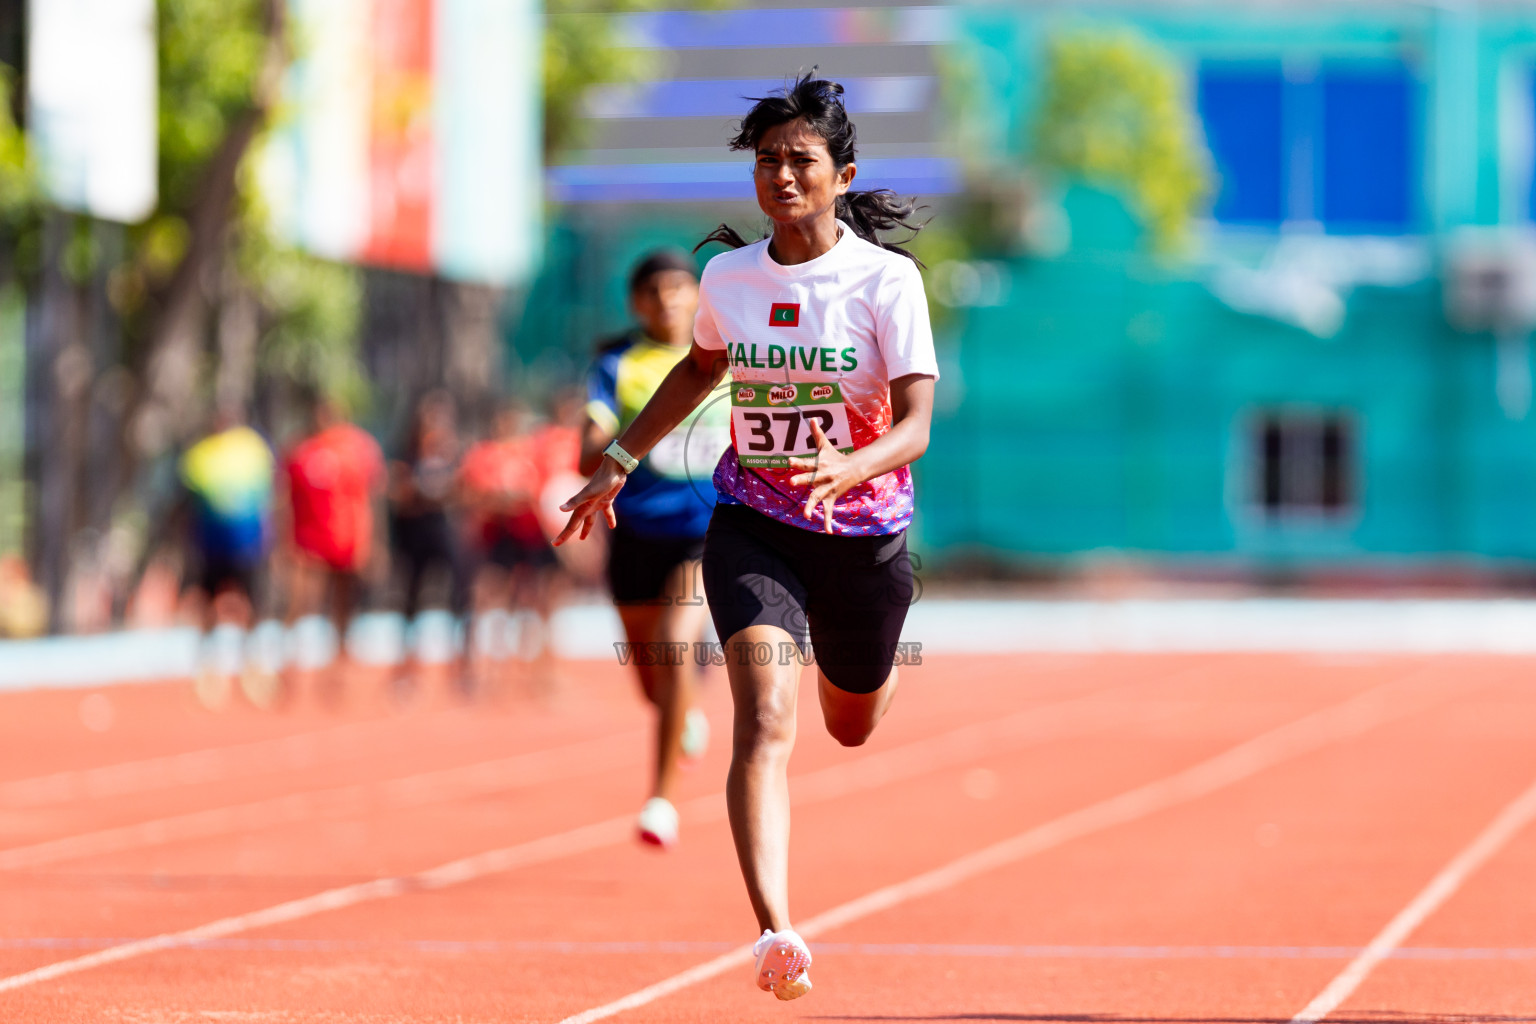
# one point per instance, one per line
(1530, 199)
(1368, 160)
(794, 26)
(696, 182)
(732, 97)
(1241, 106)
(718, 29)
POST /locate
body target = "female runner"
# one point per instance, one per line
(824, 330)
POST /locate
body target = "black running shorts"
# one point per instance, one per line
(508, 552)
(216, 572)
(848, 596)
(639, 567)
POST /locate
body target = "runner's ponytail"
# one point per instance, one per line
(726, 236)
(878, 209)
(820, 104)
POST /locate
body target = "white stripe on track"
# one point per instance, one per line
(196, 767)
(1501, 830)
(1305, 735)
(440, 786)
(583, 947)
(589, 837)
(869, 772)
(1069, 717)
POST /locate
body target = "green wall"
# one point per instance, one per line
(1104, 404)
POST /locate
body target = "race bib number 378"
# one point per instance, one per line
(772, 422)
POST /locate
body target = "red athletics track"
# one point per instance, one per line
(1159, 838)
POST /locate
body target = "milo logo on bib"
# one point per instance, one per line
(772, 422)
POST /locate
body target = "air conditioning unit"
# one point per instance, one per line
(1490, 281)
(1490, 288)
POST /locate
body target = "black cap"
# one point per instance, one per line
(659, 261)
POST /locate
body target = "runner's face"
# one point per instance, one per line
(795, 177)
(665, 304)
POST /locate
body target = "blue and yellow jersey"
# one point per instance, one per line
(670, 494)
(229, 475)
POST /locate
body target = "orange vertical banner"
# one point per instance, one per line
(402, 171)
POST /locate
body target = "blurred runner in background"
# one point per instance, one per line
(557, 450)
(334, 476)
(557, 447)
(423, 479)
(228, 481)
(663, 511)
(502, 479)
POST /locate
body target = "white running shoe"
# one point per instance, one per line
(213, 688)
(782, 963)
(658, 823)
(695, 739)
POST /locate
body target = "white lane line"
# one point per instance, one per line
(582, 947)
(217, 764)
(574, 760)
(1305, 735)
(889, 766)
(1069, 717)
(1501, 830)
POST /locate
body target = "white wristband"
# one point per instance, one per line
(627, 461)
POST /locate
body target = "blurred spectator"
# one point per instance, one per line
(422, 482)
(557, 448)
(228, 481)
(23, 605)
(503, 480)
(335, 476)
(154, 602)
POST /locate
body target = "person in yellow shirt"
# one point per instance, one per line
(228, 481)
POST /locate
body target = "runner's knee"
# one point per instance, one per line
(849, 730)
(765, 726)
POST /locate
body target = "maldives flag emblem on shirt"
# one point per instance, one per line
(784, 314)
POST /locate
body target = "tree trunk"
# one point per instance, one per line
(162, 407)
(472, 347)
(59, 374)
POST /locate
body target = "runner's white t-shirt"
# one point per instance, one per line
(821, 341)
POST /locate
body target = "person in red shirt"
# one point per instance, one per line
(501, 480)
(557, 443)
(557, 450)
(334, 477)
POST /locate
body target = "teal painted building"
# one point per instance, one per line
(1292, 397)
(1288, 397)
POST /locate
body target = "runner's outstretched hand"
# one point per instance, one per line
(829, 474)
(596, 497)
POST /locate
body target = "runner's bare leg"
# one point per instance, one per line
(757, 788)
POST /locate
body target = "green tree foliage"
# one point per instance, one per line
(209, 58)
(309, 317)
(211, 54)
(219, 65)
(19, 192)
(1114, 111)
(580, 51)
(206, 300)
(18, 179)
